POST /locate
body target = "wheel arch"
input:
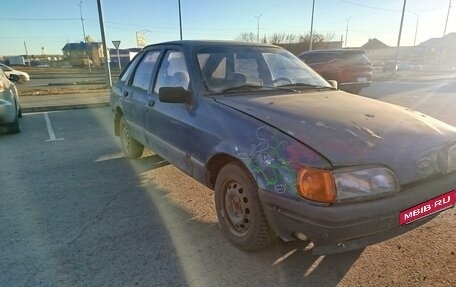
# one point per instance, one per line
(117, 116)
(216, 163)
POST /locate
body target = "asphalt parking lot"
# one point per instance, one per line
(75, 212)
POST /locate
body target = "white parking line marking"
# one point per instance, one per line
(50, 131)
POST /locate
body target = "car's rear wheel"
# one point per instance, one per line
(130, 146)
(353, 90)
(239, 210)
(14, 127)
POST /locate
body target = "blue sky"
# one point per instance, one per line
(53, 23)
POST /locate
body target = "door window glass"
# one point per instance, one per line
(143, 75)
(173, 72)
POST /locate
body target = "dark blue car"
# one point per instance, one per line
(286, 153)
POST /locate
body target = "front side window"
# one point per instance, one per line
(143, 74)
(173, 72)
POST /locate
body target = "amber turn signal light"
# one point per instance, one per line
(316, 184)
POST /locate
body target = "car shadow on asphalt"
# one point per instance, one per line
(208, 259)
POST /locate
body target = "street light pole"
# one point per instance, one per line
(446, 22)
(311, 25)
(399, 37)
(180, 20)
(82, 21)
(416, 28)
(346, 31)
(105, 46)
(258, 27)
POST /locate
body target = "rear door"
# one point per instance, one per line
(135, 95)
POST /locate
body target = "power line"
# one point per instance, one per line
(39, 19)
(390, 10)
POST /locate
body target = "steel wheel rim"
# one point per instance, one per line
(238, 208)
(125, 137)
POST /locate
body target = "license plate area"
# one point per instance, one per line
(428, 208)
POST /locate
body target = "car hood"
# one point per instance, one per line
(352, 130)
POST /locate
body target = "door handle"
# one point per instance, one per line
(151, 103)
(125, 93)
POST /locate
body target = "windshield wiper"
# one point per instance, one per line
(249, 87)
(303, 85)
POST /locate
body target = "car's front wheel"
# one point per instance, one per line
(239, 210)
(22, 79)
(130, 146)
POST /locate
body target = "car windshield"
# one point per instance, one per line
(236, 68)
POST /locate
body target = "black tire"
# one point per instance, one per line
(239, 210)
(130, 146)
(354, 90)
(14, 127)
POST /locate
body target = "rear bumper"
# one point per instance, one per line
(341, 228)
(355, 84)
(8, 112)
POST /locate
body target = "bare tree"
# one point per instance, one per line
(247, 37)
(282, 38)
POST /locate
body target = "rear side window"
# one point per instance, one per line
(143, 74)
(126, 74)
(315, 58)
(357, 58)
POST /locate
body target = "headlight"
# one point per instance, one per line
(352, 183)
(452, 159)
(345, 184)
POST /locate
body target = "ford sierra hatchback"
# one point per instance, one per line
(287, 154)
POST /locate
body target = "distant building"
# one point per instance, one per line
(125, 56)
(374, 44)
(440, 51)
(79, 54)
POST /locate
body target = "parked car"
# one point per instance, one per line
(286, 153)
(349, 67)
(23, 77)
(10, 109)
(390, 66)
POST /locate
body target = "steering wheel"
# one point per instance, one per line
(285, 79)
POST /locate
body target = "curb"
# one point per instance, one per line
(63, 107)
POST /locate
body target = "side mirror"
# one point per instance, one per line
(14, 78)
(174, 95)
(333, 83)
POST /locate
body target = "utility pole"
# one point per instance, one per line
(446, 22)
(180, 20)
(311, 26)
(346, 31)
(26, 53)
(258, 27)
(416, 27)
(399, 37)
(105, 46)
(82, 21)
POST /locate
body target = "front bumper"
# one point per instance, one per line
(350, 226)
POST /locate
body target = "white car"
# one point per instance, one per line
(10, 109)
(23, 76)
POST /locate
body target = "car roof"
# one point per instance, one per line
(350, 50)
(198, 43)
